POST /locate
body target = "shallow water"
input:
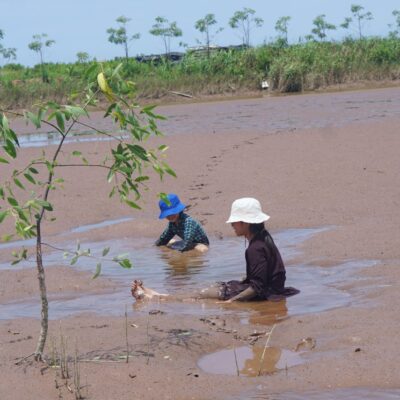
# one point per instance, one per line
(337, 394)
(182, 273)
(261, 116)
(246, 361)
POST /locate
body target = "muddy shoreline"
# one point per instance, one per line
(313, 161)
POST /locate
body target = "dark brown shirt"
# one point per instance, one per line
(265, 271)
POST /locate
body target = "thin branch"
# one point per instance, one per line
(265, 349)
(17, 114)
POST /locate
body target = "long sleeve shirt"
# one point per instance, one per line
(265, 271)
(188, 229)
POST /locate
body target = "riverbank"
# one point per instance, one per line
(313, 161)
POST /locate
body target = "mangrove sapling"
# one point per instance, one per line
(125, 165)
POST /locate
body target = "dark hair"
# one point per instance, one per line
(256, 228)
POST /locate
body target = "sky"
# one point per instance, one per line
(80, 25)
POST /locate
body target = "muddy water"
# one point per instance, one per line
(249, 361)
(172, 272)
(260, 116)
(338, 394)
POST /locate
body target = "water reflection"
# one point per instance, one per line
(176, 273)
(249, 361)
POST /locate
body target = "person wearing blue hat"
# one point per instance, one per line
(181, 224)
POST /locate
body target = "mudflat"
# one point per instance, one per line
(314, 161)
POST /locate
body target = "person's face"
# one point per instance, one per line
(173, 218)
(239, 228)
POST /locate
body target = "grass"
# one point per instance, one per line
(295, 68)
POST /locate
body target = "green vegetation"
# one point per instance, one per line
(26, 191)
(304, 66)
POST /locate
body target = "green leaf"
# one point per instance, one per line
(98, 271)
(74, 260)
(138, 151)
(132, 204)
(142, 178)
(12, 201)
(9, 148)
(125, 263)
(76, 111)
(60, 121)
(105, 251)
(3, 160)
(33, 170)
(33, 118)
(168, 169)
(76, 153)
(30, 178)
(45, 204)
(19, 184)
(3, 215)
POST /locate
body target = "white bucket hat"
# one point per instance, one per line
(247, 210)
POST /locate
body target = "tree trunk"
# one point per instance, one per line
(43, 297)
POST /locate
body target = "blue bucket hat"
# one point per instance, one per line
(174, 208)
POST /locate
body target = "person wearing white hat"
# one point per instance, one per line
(265, 271)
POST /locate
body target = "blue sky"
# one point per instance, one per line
(80, 25)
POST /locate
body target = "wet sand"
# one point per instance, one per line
(313, 161)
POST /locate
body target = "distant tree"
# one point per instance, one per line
(245, 20)
(82, 56)
(166, 30)
(281, 26)
(120, 35)
(204, 26)
(7, 53)
(396, 32)
(321, 27)
(359, 19)
(38, 45)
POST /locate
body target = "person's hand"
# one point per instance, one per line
(225, 301)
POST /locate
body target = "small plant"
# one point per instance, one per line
(125, 165)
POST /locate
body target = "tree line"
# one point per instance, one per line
(242, 21)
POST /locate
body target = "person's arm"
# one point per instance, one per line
(188, 235)
(166, 236)
(246, 295)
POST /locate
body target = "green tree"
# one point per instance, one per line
(396, 32)
(166, 30)
(38, 45)
(359, 19)
(204, 26)
(7, 53)
(82, 57)
(321, 27)
(25, 192)
(120, 35)
(245, 20)
(281, 26)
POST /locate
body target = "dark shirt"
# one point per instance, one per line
(265, 271)
(188, 229)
